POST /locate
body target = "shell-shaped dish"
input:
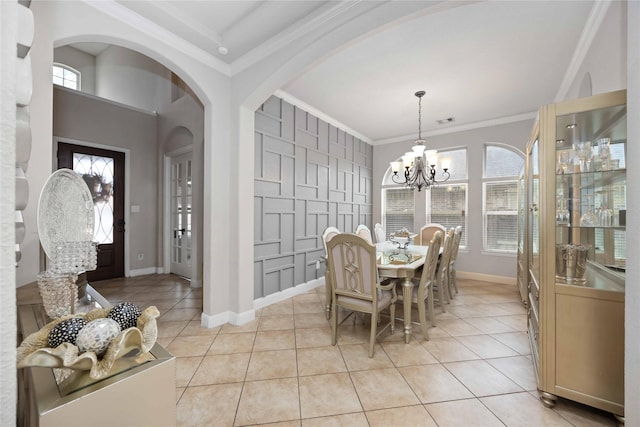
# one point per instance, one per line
(33, 351)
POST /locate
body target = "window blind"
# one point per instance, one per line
(448, 206)
(500, 208)
(398, 209)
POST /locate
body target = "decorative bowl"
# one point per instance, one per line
(33, 350)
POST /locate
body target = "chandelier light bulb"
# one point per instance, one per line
(407, 159)
(418, 149)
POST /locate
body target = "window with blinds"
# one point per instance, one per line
(500, 193)
(501, 216)
(447, 205)
(397, 209)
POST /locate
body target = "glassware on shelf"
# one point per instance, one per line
(562, 213)
(566, 159)
(584, 153)
(589, 218)
(605, 214)
(604, 153)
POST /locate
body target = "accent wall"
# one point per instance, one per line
(308, 175)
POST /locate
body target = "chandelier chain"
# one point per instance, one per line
(420, 118)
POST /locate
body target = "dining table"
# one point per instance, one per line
(402, 263)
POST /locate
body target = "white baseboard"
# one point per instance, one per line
(227, 317)
(143, 271)
(287, 293)
(504, 280)
(249, 315)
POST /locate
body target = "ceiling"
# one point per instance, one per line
(479, 62)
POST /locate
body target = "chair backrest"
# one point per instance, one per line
(443, 265)
(427, 232)
(457, 236)
(352, 262)
(364, 232)
(327, 235)
(379, 233)
(430, 264)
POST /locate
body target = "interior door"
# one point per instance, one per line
(103, 171)
(181, 212)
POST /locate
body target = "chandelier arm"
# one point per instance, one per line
(396, 178)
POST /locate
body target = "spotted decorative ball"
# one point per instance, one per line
(97, 336)
(65, 331)
(126, 314)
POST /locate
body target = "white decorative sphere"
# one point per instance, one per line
(97, 336)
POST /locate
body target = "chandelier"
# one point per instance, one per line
(419, 165)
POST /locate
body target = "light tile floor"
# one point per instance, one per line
(281, 368)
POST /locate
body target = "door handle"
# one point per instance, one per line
(120, 225)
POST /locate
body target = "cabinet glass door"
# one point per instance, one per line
(533, 237)
(591, 196)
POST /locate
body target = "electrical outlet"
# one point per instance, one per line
(140, 256)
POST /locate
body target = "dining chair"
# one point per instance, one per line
(355, 284)
(427, 232)
(457, 237)
(378, 231)
(442, 271)
(327, 235)
(364, 232)
(422, 293)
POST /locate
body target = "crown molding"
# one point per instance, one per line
(591, 27)
(301, 28)
(460, 128)
(319, 114)
(140, 23)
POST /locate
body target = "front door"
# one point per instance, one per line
(181, 210)
(103, 171)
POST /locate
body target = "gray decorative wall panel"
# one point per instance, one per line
(308, 175)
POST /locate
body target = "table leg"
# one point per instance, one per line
(407, 296)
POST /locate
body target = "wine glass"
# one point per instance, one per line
(562, 213)
(584, 153)
(605, 214)
(566, 157)
(604, 152)
(589, 218)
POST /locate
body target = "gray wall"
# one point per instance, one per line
(81, 117)
(308, 175)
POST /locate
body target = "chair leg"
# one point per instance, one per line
(432, 315)
(441, 294)
(453, 279)
(449, 286)
(372, 338)
(334, 324)
(328, 295)
(423, 319)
